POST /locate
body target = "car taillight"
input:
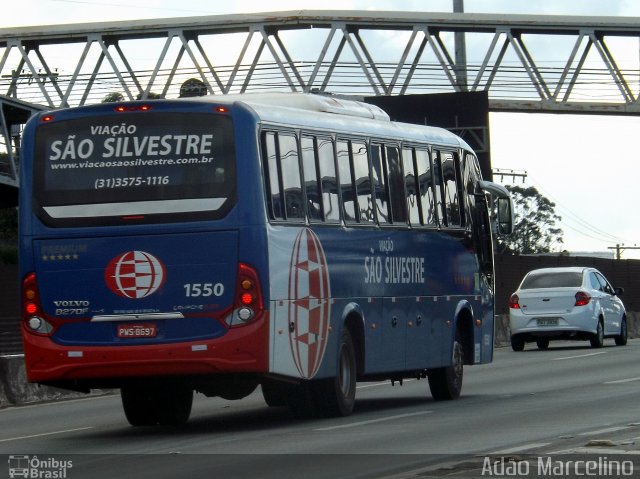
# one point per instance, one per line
(247, 304)
(582, 298)
(514, 301)
(31, 310)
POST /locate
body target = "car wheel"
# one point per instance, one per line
(597, 341)
(621, 339)
(542, 343)
(517, 343)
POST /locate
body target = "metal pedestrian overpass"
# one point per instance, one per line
(523, 62)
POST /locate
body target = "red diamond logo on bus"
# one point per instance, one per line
(309, 309)
(134, 274)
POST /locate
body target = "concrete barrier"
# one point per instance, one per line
(15, 390)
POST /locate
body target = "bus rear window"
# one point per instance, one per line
(158, 166)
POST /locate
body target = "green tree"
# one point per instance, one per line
(113, 97)
(535, 229)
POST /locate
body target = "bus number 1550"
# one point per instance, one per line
(195, 290)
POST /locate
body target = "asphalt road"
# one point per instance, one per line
(532, 402)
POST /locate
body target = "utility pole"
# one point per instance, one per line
(620, 248)
(461, 51)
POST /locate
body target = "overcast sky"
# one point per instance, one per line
(587, 165)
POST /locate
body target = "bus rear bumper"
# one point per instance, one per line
(243, 349)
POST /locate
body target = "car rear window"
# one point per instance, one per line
(552, 280)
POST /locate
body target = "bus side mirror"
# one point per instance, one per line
(505, 216)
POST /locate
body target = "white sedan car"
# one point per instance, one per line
(566, 303)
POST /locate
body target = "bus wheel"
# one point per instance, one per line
(174, 405)
(148, 405)
(274, 394)
(301, 400)
(339, 393)
(446, 383)
(139, 405)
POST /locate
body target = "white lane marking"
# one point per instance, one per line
(621, 381)
(580, 356)
(604, 431)
(373, 421)
(524, 447)
(45, 434)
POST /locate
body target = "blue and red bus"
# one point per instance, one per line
(295, 242)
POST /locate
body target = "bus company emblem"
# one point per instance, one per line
(309, 308)
(134, 274)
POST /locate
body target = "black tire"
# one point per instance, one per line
(275, 394)
(301, 401)
(621, 339)
(174, 406)
(138, 405)
(337, 396)
(597, 341)
(446, 383)
(517, 343)
(328, 397)
(148, 405)
(542, 343)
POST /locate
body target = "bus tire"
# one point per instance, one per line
(339, 393)
(301, 401)
(174, 405)
(138, 404)
(148, 405)
(275, 394)
(446, 383)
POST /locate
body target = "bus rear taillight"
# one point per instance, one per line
(31, 310)
(248, 302)
(126, 108)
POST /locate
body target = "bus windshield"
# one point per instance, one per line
(141, 163)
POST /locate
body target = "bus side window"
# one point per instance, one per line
(274, 182)
(328, 180)
(438, 188)
(470, 176)
(451, 180)
(362, 182)
(411, 186)
(429, 191)
(290, 171)
(379, 184)
(313, 193)
(395, 185)
(346, 182)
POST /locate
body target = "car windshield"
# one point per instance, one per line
(549, 279)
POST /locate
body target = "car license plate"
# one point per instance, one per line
(547, 321)
(137, 330)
